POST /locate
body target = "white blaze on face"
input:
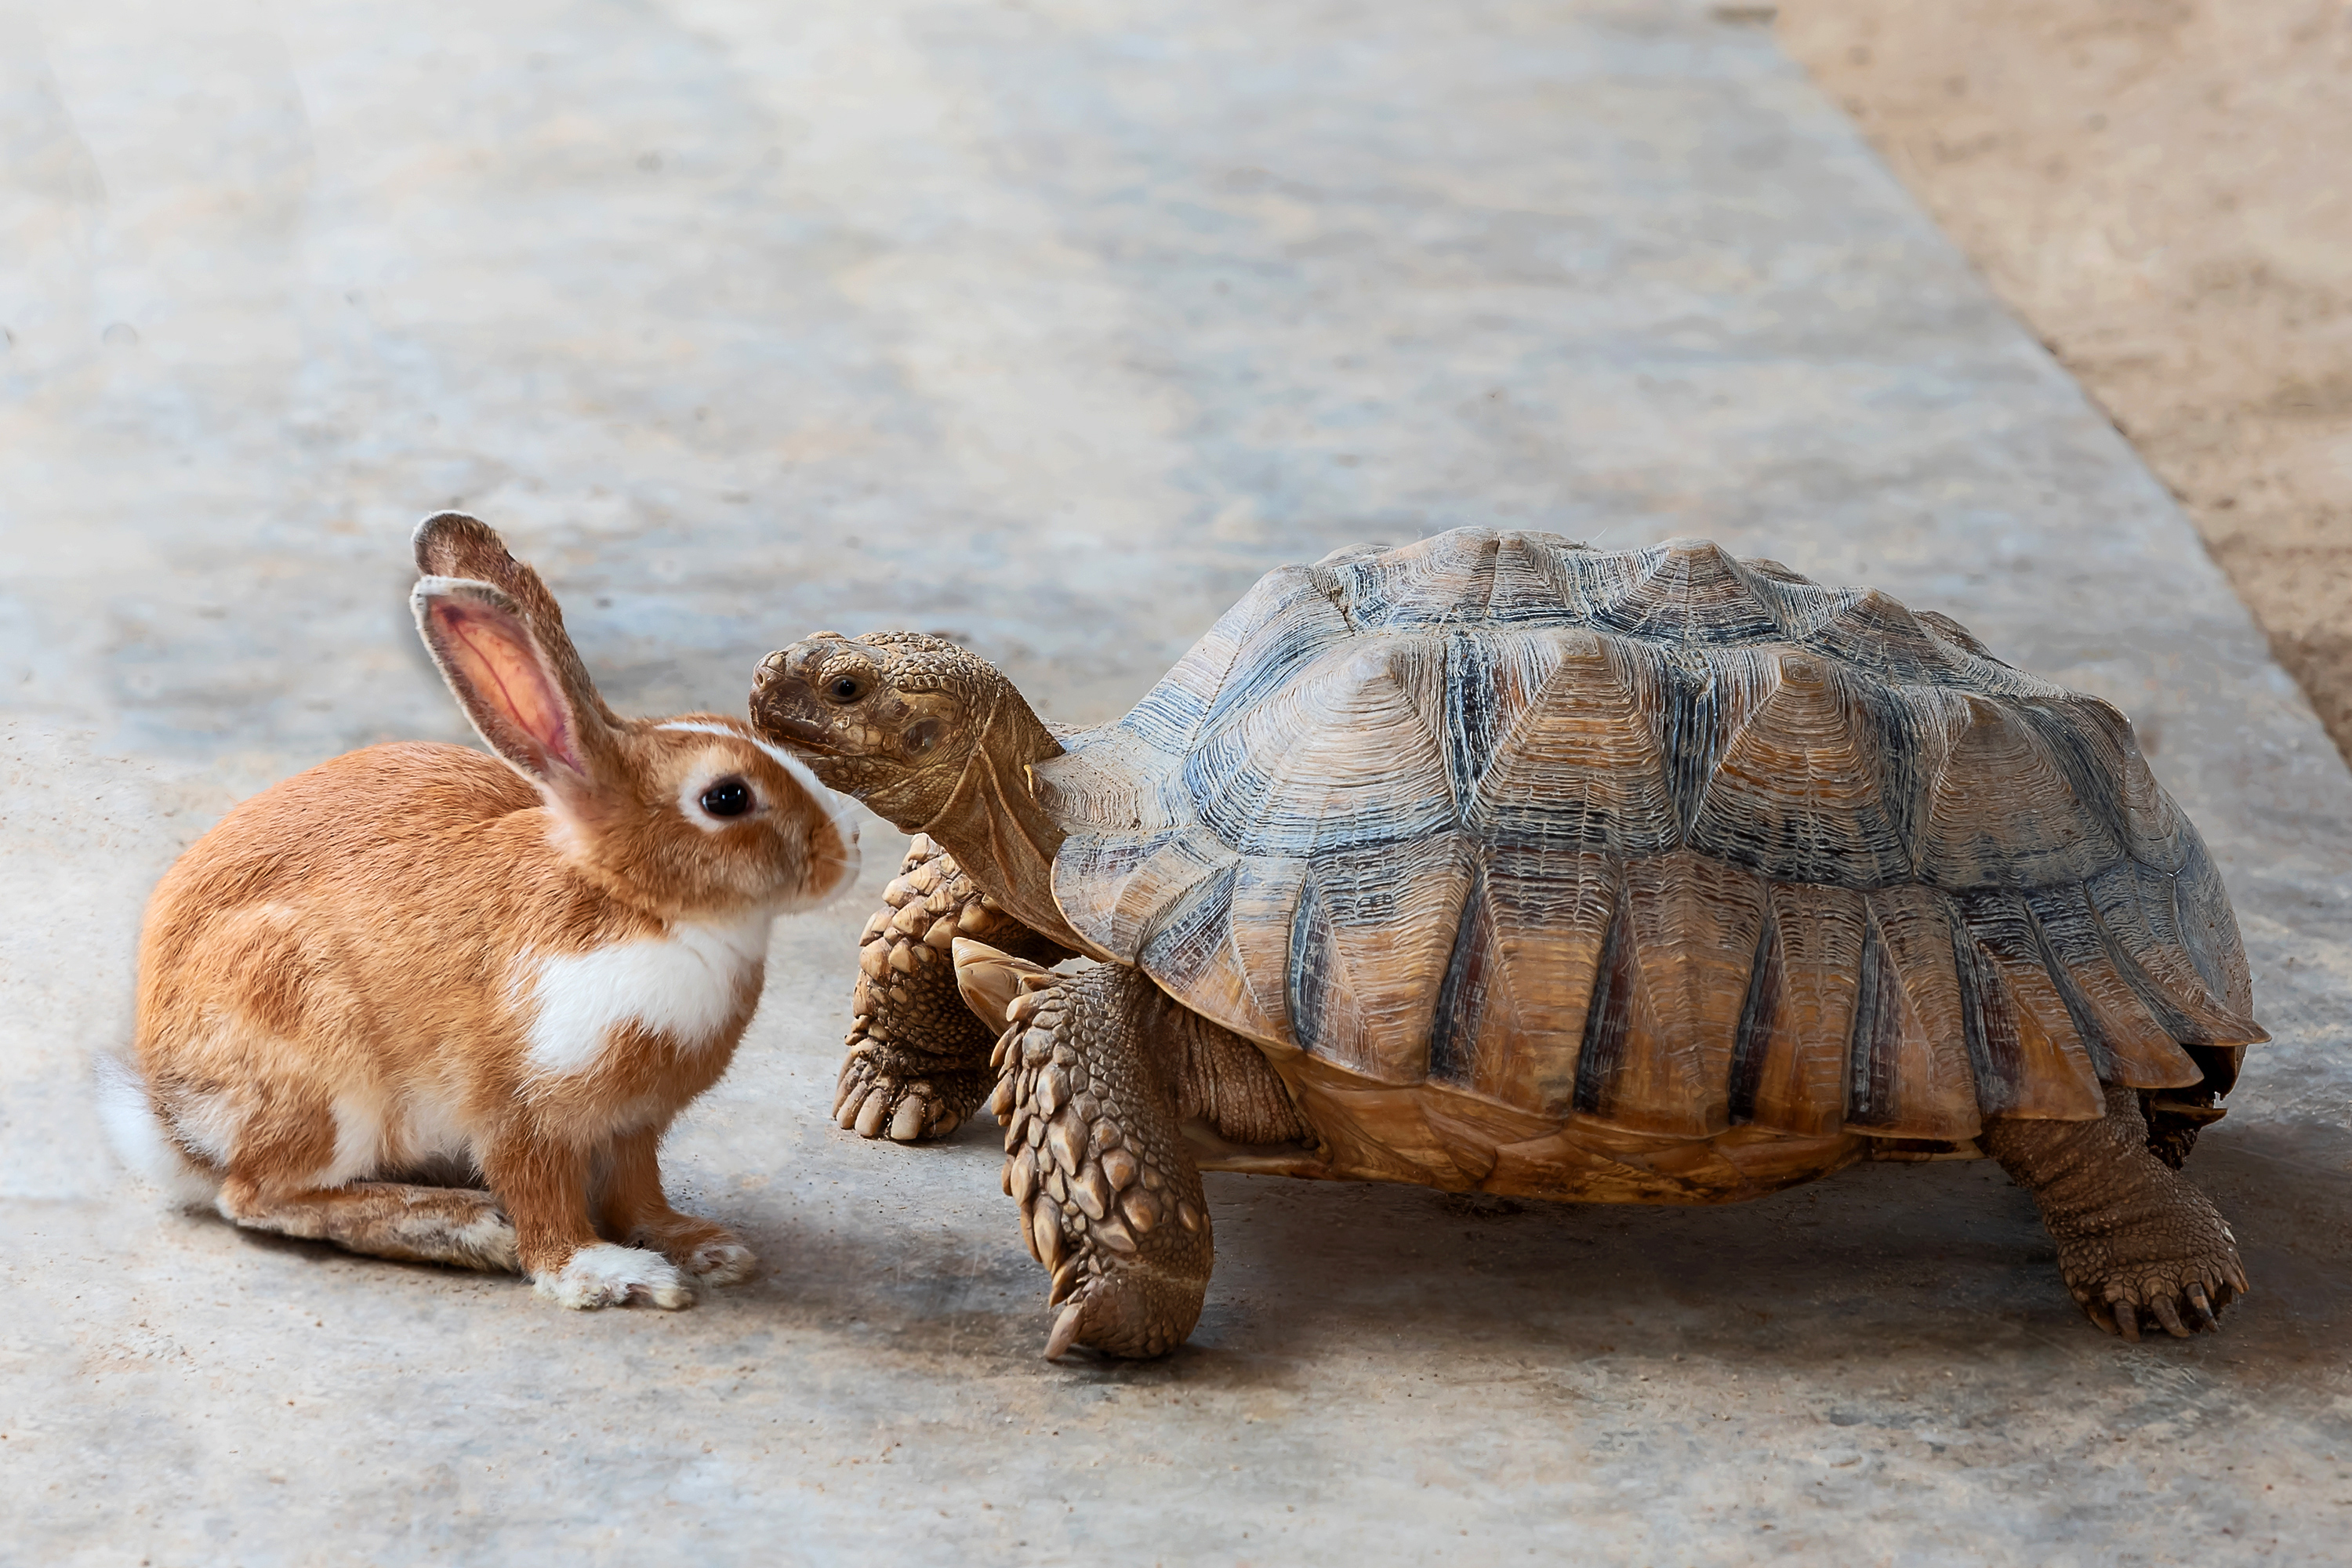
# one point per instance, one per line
(835, 807)
(682, 984)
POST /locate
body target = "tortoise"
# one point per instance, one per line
(1499, 864)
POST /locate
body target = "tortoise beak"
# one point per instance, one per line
(783, 708)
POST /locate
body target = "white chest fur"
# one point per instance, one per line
(683, 985)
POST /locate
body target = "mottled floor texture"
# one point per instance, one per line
(1053, 325)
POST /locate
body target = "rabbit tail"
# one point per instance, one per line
(142, 1140)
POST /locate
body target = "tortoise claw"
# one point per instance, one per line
(2201, 1308)
(1065, 1331)
(878, 1096)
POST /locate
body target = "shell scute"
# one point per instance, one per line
(1688, 592)
(1949, 630)
(2001, 810)
(1117, 888)
(1577, 762)
(1292, 601)
(2137, 907)
(1344, 753)
(1194, 930)
(1798, 791)
(2210, 934)
(1588, 581)
(1695, 706)
(1518, 981)
(2028, 1054)
(1226, 949)
(1789, 1064)
(1664, 1020)
(1871, 631)
(1532, 571)
(1444, 580)
(1293, 626)
(1800, 606)
(1767, 571)
(1463, 993)
(1476, 1129)
(1370, 936)
(1116, 781)
(2128, 1042)
(1909, 1071)
(2094, 744)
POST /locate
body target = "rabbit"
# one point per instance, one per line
(417, 960)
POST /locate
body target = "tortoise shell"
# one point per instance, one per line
(1651, 874)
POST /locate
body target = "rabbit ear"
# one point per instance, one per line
(451, 544)
(496, 660)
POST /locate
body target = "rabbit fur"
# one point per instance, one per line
(429, 1003)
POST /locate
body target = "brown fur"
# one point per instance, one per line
(369, 935)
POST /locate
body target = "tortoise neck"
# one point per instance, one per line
(994, 827)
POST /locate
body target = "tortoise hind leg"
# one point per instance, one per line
(2132, 1235)
(917, 1059)
(1095, 1151)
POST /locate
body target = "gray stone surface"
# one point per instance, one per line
(1051, 325)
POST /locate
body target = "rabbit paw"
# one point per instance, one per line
(609, 1275)
(721, 1260)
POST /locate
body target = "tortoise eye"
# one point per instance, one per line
(844, 688)
(728, 798)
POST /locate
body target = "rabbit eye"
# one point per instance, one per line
(844, 688)
(728, 798)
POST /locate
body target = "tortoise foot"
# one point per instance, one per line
(2181, 1294)
(1110, 1198)
(880, 1094)
(918, 1063)
(1123, 1231)
(2136, 1244)
(1133, 1313)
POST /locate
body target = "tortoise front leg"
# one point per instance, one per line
(2133, 1237)
(1095, 1152)
(917, 1059)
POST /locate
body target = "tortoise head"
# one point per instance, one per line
(892, 718)
(932, 738)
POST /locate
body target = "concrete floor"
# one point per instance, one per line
(1051, 325)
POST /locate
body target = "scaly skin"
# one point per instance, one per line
(1095, 1155)
(917, 1059)
(2133, 1237)
(1101, 1072)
